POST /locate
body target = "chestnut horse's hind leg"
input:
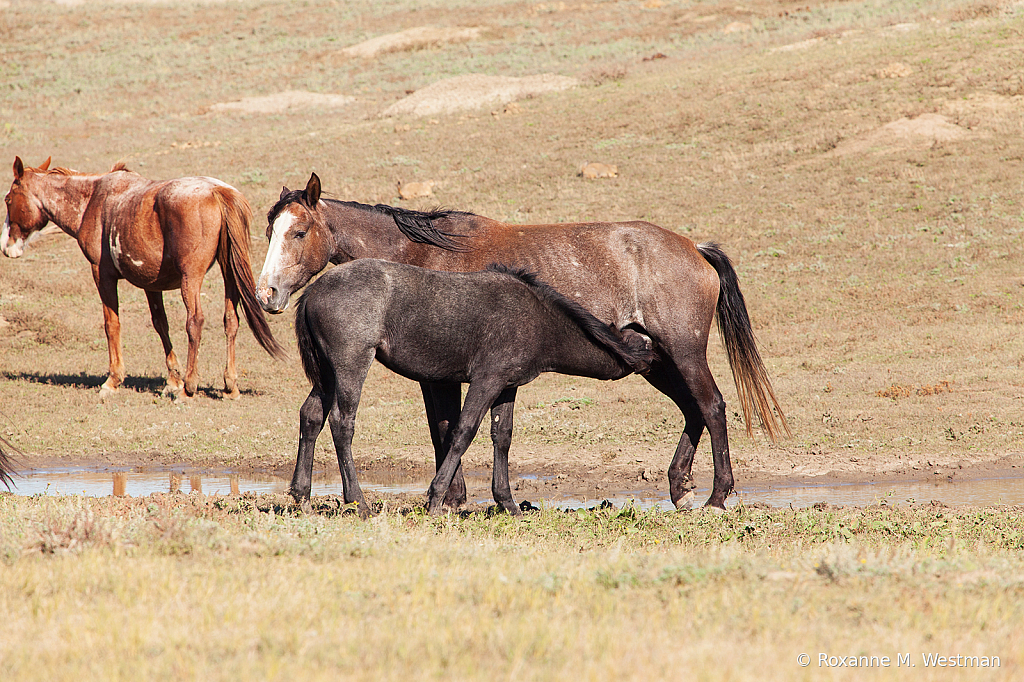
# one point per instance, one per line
(193, 328)
(443, 404)
(159, 317)
(107, 287)
(231, 298)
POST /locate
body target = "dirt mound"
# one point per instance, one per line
(283, 101)
(418, 38)
(923, 131)
(475, 91)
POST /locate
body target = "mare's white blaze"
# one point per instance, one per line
(13, 250)
(275, 253)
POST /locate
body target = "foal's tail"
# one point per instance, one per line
(752, 383)
(236, 215)
(314, 361)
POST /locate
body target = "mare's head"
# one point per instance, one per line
(25, 214)
(301, 245)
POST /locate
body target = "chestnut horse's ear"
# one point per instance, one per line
(19, 168)
(45, 165)
(313, 191)
(284, 191)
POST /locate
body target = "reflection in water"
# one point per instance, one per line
(95, 482)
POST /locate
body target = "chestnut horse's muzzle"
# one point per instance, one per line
(11, 249)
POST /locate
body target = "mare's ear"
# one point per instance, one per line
(19, 168)
(284, 191)
(45, 165)
(313, 191)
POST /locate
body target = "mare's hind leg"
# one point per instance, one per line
(692, 388)
(443, 403)
(159, 317)
(231, 298)
(501, 437)
(193, 328)
(312, 416)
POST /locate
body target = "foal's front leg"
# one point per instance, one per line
(501, 437)
(443, 403)
(478, 399)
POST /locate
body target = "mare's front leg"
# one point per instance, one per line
(443, 403)
(106, 284)
(501, 438)
(190, 286)
(478, 399)
(159, 317)
(312, 416)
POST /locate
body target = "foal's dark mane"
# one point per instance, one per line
(637, 359)
(417, 226)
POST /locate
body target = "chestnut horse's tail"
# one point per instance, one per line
(752, 383)
(236, 215)
(6, 465)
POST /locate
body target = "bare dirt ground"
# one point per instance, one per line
(860, 162)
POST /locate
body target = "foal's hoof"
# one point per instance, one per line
(717, 511)
(686, 502)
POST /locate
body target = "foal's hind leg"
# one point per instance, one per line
(159, 317)
(443, 403)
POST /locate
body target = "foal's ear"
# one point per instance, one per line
(313, 191)
(19, 168)
(45, 165)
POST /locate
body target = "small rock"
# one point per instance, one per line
(416, 190)
(594, 170)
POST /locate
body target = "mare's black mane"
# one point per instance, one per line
(638, 359)
(417, 226)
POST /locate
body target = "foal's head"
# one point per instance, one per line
(300, 245)
(25, 213)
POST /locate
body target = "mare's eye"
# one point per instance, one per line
(300, 235)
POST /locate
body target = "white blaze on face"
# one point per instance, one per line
(13, 250)
(275, 254)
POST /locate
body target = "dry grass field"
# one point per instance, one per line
(860, 161)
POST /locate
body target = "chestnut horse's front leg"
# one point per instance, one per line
(106, 284)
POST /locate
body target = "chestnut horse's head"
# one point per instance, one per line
(25, 214)
(301, 245)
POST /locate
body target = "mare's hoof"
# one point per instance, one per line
(686, 502)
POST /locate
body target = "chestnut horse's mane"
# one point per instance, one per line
(119, 166)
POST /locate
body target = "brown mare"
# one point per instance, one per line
(159, 236)
(633, 276)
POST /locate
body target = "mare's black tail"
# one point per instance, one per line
(314, 361)
(752, 383)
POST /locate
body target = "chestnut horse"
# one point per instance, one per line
(159, 236)
(631, 275)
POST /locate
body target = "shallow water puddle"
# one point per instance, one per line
(99, 482)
